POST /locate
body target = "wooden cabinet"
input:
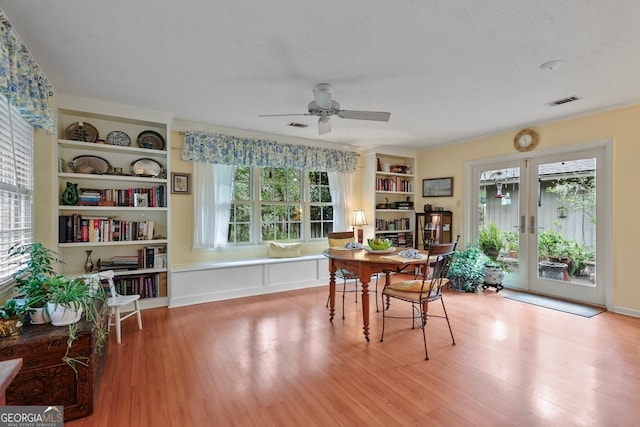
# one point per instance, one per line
(122, 214)
(433, 227)
(44, 378)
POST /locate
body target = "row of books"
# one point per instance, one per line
(145, 285)
(394, 184)
(127, 197)
(394, 224)
(401, 239)
(80, 228)
(147, 257)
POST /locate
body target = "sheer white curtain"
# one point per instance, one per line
(341, 188)
(212, 194)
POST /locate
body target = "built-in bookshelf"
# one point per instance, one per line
(121, 213)
(391, 196)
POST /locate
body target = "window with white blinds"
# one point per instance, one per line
(16, 186)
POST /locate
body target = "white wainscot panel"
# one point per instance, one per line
(199, 283)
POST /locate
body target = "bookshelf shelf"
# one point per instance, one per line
(115, 203)
(390, 194)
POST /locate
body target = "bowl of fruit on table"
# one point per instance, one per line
(379, 244)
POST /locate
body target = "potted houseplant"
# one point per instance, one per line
(69, 300)
(33, 277)
(490, 240)
(494, 272)
(512, 243)
(65, 299)
(11, 318)
(467, 269)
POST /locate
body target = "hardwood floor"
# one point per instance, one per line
(276, 360)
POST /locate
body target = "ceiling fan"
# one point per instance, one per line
(324, 107)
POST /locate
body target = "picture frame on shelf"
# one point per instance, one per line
(140, 200)
(437, 187)
(180, 183)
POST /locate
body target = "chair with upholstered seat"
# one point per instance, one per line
(420, 292)
(338, 240)
(116, 302)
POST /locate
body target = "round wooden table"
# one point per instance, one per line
(365, 264)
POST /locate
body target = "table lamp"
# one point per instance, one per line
(358, 221)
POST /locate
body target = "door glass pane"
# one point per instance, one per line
(499, 233)
(567, 221)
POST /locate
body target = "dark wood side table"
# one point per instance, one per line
(44, 378)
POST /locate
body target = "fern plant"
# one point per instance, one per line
(490, 240)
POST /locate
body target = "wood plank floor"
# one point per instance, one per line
(276, 360)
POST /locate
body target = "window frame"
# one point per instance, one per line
(16, 188)
(256, 204)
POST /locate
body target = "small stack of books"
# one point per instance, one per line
(121, 262)
(89, 197)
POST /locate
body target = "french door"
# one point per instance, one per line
(551, 212)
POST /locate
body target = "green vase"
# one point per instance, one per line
(70, 194)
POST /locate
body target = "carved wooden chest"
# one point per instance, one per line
(45, 379)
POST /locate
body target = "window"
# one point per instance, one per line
(241, 205)
(16, 185)
(290, 205)
(320, 208)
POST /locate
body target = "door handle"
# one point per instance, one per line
(533, 224)
(521, 227)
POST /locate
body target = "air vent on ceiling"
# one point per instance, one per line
(563, 101)
(298, 125)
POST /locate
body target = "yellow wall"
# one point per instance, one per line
(618, 125)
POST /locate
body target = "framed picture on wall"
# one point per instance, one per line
(437, 187)
(180, 183)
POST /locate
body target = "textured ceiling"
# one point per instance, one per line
(447, 70)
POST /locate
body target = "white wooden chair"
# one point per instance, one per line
(116, 302)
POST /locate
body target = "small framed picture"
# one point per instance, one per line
(140, 200)
(437, 187)
(180, 183)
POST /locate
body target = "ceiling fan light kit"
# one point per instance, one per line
(324, 107)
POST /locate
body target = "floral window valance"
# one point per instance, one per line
(21, 80)
(230, 150)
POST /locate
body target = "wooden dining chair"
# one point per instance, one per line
(420, 292)
(339, 239)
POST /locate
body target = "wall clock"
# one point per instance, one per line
(526, 140)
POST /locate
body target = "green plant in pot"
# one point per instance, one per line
(65, 299)
(69, 300)
(33, 277)
(490, 240)
(467, 269)
(11, 318)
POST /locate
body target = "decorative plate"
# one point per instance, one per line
(90, 165)
(146, 167)
(117, 137)
(81, 131)
(379, 251)
(151, 139)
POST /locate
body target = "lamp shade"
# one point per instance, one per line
(359, 218)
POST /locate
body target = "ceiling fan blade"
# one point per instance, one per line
(322, 96)
(280, 115)
(324, 124)
(379, 116)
